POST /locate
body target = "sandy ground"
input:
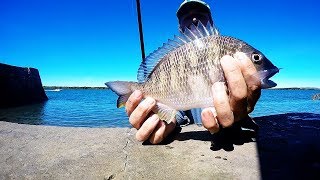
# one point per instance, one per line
(286, 146)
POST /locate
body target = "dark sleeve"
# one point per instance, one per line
(181, 118)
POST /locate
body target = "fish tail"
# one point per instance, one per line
(123, 89)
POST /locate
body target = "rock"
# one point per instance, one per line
(20, 86)
(316, 97)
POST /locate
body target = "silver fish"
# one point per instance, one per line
(180, 74)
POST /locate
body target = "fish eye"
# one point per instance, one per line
(256, 58)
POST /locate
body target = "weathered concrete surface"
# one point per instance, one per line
(43, 152)
(19, 86)
(287, 147)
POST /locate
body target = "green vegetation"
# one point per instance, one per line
(296, 88)
(85, 87)
(73, 87)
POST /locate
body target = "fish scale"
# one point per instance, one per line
(180, 74)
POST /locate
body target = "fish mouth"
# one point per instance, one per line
(265, 75)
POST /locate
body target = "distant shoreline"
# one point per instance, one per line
(296, 88)
(71, 87)
(85, 87)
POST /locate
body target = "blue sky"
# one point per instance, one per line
(86, 43)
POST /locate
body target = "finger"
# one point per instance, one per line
(140, 113)
(147, 128)
(162, 131)
(237, 86)
(252, 80)
(253, 98)
(209, 120)
(221, 104)
(133, 101)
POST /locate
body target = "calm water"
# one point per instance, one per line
(96, 108)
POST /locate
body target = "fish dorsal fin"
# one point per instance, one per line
(189, 34)
(212, 29)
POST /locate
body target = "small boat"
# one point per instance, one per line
(54, 90)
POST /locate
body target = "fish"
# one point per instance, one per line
(179, 75)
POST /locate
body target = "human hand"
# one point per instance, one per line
(236, 103)
(147, 123)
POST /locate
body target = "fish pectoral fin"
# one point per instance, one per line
(165, 112)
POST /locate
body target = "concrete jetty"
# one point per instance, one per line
(20, 86)
(287, 146)
(44, 152)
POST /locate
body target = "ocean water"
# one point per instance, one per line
(97, 108)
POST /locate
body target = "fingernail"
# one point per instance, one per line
(213, 111)
(213, 130)
(226, 59)
(137, 94)
(219, 86)
(240, 56)
(154, 118)
(208, 115)
(149, 101)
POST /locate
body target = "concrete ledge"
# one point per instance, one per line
(288, 146)
(19, 86)
(43, 152)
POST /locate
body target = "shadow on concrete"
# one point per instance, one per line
(168, 140)
(226, 138)
(289, 146)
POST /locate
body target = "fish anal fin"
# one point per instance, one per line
(121, 102)
(165, 112)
